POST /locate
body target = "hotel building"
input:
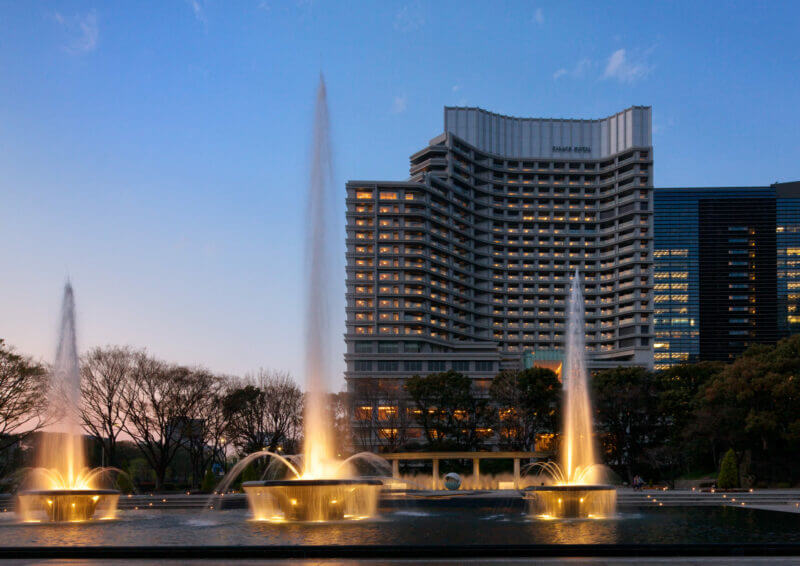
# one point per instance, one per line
(467, 264)
(726, 272)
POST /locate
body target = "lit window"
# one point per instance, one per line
(386, 412)
(363, 413)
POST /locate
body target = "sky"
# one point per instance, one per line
(157, 153)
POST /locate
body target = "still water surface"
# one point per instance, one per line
(429, 526)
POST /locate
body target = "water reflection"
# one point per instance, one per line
(420, 525)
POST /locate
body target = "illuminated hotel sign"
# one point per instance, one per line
(571, 149)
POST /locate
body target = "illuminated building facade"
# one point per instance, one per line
(726, 270)
(466, 265)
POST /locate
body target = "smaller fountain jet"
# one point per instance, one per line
(574, 491)
(61, 487)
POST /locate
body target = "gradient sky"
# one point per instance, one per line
(156, 152)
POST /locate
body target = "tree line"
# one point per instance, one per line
(662, 425)
(683, 421)
(445, 411)
(165, 411)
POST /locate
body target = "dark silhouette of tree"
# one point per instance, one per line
(729, 471)
(682, 449)
(450, 415)
(339, 410)
(159, 397)
(364, 408)
(628, 419)
(204, 428)
(392, 416)
(105, 373)
(23, 397)
(753, 406)
(264, 411)
(527, 404)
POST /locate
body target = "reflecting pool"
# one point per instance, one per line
(415, 525)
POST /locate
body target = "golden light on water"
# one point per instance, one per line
(313, 500)
(61, 487)
(574, 490)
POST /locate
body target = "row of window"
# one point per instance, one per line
(419, 365)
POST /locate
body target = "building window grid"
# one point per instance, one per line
(675, 224)
(455, 299)
(676, 277)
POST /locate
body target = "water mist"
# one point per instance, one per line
(325, 489)
(62, 487)
(575, 493)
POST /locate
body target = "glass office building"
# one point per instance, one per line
(726, 270)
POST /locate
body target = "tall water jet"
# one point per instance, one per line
(62, 449)
(578, 454)
(61, 487)
(322, 490)
(576, 493)
(318, 253)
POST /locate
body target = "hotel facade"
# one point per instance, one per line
(467, 264)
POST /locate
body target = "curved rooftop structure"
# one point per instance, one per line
(550, 137)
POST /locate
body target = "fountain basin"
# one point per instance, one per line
(571, 501)
(313, 500)
(67, 505)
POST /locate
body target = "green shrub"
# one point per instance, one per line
(728, 471)
(209, 482)
(125, 483)
(249, 474)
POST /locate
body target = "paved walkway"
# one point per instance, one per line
(685, 561)
(785, 500)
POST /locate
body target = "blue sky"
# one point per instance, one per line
(156, 152)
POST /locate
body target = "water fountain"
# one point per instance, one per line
(325, 489)
(574, 491)
(61, 487)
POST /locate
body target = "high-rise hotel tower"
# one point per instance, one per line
(467, 264)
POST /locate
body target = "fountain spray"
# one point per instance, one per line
(62, 487)
(575, 493)
(578, 451)
(318, 254)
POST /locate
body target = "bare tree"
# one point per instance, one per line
(364, 407)
(339, 409)
(264, 411)
(159, 397)
(392, 417)
(284, 407)
(205, 426)
(105, 373)
(23, 396)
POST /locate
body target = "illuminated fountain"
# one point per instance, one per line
(574, 490)
(61, 487)
(325, 489)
